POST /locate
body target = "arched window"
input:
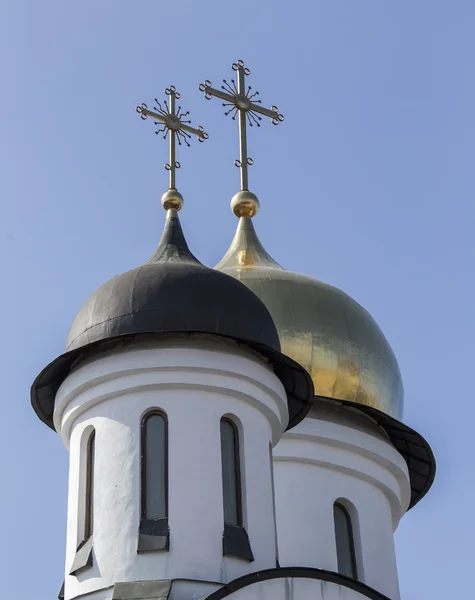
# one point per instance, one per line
(83, 557)
(154, 474)
(232, 502)
(89, 499)
(345, 547)
(271, 461)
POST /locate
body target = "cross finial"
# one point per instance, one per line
(176, 128)
(243, 103)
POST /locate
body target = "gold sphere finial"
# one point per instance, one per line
(245, 204)
(172, 199)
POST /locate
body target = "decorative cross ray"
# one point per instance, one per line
(174, 123)
(242, 102)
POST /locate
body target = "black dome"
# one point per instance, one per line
(173, 292)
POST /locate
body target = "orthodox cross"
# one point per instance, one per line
(174, 125)
(242, 101)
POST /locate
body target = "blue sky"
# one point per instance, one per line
(367, 185)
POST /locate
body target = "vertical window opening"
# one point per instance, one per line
(89, 506)
(154, 474)
(232, 499)
(83, 557)
(345, 547)
(273, 505)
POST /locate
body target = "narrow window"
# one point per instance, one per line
(345, 548)
(154, 467)
(83, 557)
(273, 505)
(231, 473)
(89, 506)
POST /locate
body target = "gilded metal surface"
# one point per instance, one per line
(245, 204)
(321, 327)
(242, 103)
(174, 125)
(172, 199)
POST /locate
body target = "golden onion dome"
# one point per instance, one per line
(334, 338)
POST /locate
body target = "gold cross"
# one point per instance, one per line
(242, 101)
(174, 124)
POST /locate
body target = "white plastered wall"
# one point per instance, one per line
(336, 454)
(195, 380)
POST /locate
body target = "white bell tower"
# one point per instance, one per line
(351, 487)
(169, 398)
(157, 488)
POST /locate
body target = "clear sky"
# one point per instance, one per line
(368, 185)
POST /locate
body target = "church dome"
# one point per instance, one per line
(172, 292)
(334, 338)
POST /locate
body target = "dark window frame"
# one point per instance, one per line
(237, 470)
(143, 461)
(351, 540)
(89, 486)
(83, 557)
(153, 534)
(235, 539)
